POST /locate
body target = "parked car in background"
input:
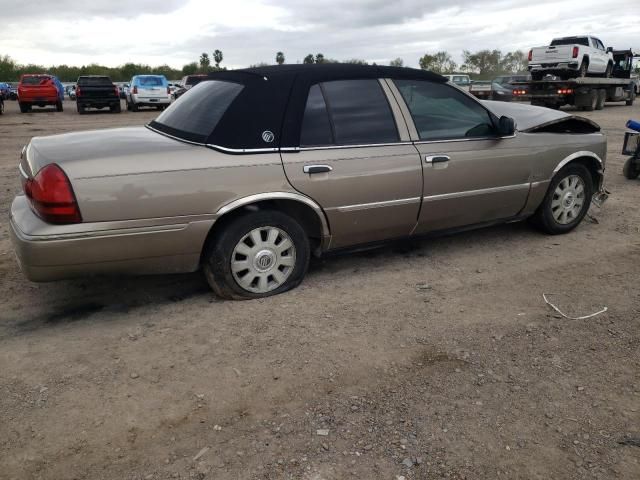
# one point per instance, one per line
(250, 173)
(5, 88)
(481, 89)
(97, 91)
(1, 106)
(124, 88)
(40, 90)
(13, 91)
(571, 57)
(189, 82)
(502, 88)
(461, 81)
(148, 91)
(71, 92)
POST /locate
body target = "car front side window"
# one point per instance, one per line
(440, 112)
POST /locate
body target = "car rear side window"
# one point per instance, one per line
(359, 112)
(441, 112)
(316, 128)
(195, 115)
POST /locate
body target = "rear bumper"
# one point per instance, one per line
(553, 67)
(150, 101)
(98, 102)
(49, 252)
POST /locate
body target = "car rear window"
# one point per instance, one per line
(195, 114)
(570, 41)
(150, 81)
(94, 81)
(36, 80)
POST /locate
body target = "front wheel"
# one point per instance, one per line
(631, 168)
(567, 200)
(260, 254)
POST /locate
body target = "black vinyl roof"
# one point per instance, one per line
(274, 97)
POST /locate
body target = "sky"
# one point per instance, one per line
(176, 32)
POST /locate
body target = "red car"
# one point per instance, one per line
(40, 90)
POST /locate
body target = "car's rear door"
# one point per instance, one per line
(471, 175)
(357, 162)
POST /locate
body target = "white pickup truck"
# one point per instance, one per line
(571, 57)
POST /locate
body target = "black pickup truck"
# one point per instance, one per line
(95, 91)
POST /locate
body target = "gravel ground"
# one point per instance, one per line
(425, 359)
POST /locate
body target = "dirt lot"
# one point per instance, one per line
(430, 359)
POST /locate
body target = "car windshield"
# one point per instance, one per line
(94, 81)
(35, 80)
(150, 81)
(570, 41)
(195, 114)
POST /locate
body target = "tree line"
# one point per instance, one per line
(481, 64)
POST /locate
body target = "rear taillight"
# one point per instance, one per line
(52, 197)
(116, 91)
(135, 90)
(530, 54)
(575, 52)
(78, 91)
(168, 91)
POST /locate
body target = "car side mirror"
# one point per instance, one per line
(609, 49)
(506, 126)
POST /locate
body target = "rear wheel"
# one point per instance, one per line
(24, 107)
(593, 101)
(257, 255)
(59, 107)
(608, 71)
(116, 108)
(1, 106)
(134, 107)
(631, 168)
(583, 70)
(81, 109)
(567, 200)
(632, 95)
(601, 99)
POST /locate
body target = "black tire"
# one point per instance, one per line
(583, 70)
(59, 107)
(631, 168)
(602, 98)
(594, 101)
(632, 96)
(24, 107)
(544, 219)
(128, 105)
(1, 107)
(81, 109)
(218, 253)
(116, 108)
(134, 107)
(608, 71)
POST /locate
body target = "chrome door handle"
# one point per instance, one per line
(436, 158)
(316, 169)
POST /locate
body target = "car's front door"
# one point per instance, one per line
(471, 175)
(357, 162)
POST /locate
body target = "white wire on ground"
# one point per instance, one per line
(544, 295)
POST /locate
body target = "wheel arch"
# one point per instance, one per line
(591, 160)
(301, 208)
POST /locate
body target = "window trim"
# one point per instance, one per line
(327, 103)
(412, 128)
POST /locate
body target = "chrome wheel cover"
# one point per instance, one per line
(263, 259)
(568, 199)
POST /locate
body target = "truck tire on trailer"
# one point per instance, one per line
(582, 71)
(602, 98)
(593, 101)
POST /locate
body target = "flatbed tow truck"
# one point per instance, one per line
(585, 93)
